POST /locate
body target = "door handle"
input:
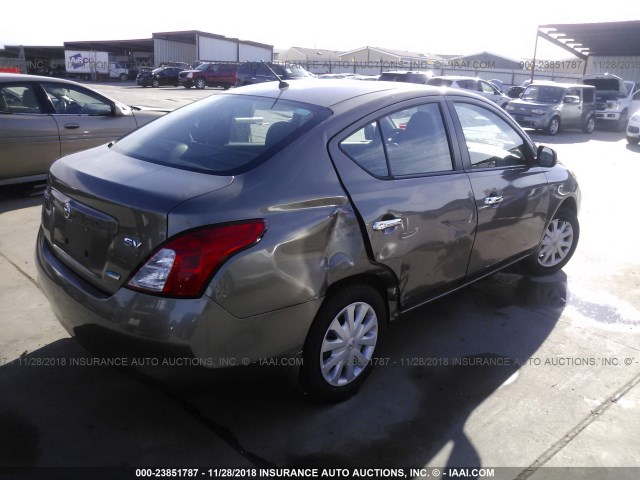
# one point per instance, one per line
(384, 224)
(493, 200)
(71, 126)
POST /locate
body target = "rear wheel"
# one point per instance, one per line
(590, 125)
(342, 343)
(200, 83)
(553, 127)
(558, 244)
(155, 83)
(123, 77)
(632, 140)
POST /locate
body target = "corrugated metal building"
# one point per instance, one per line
(193, 45)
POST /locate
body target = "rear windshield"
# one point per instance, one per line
(439, 82)
(224, 134)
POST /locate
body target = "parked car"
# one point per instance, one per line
(477, 85)
(550, 106)
(299, 220)
(614, 98)
(159, 77)
(210, 74)
(42, 119)
(258, 72)
(405, 76)
(633, 129)
(517, 90)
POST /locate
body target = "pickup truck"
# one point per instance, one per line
(614, 98)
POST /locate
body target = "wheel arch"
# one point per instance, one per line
(383, 282)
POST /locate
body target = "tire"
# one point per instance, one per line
(589, 126)
(632, 140)
(621, 126)
(554, 126)
(226, 87)
(200, 83)
(155, 83)
(557, 246)
(123, 77)
(330, 372)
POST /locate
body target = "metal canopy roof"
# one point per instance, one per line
(115, 46)
(601, 39)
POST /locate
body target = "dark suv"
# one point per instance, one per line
(404, 76)
(257, 72)
(209, 74)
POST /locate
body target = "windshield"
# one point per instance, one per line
(224, 134)
(543, 94)
(295, 72)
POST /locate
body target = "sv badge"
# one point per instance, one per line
(132, 242)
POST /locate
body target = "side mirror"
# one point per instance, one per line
(547, 157)
(120, 110)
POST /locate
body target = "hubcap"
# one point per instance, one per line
(348, 344)
(553, 128)
(556, 243)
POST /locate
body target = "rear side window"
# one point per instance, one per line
(19, 98)
(224, 134)
(588, 95)
(439, 82)
(415, 142)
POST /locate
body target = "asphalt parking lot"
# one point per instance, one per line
(516, 372)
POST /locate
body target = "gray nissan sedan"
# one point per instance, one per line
(283, 220)
(42, 119)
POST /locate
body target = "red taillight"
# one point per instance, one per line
(185, 263)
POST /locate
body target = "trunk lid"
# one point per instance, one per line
(104, 212)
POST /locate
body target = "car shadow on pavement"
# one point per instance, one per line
(576, 136)
(439, 364)
(16, 197)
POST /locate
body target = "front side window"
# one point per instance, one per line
(225, 134)
(71, 100)
(486, 88)
(490, 140)
(19, 98)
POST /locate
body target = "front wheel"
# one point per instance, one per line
(558, 244)
(155, 83)
(632, 140)
(200, 83)
(342, 342)
(123, 77)
(553, 127)
(590, 126)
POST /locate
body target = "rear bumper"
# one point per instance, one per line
(200, 325)
(532, 121)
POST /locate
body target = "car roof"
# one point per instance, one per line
(21, 77)
(549, 83)
(327, 94)
(457, 77)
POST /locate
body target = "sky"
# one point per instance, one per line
(443, 27)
